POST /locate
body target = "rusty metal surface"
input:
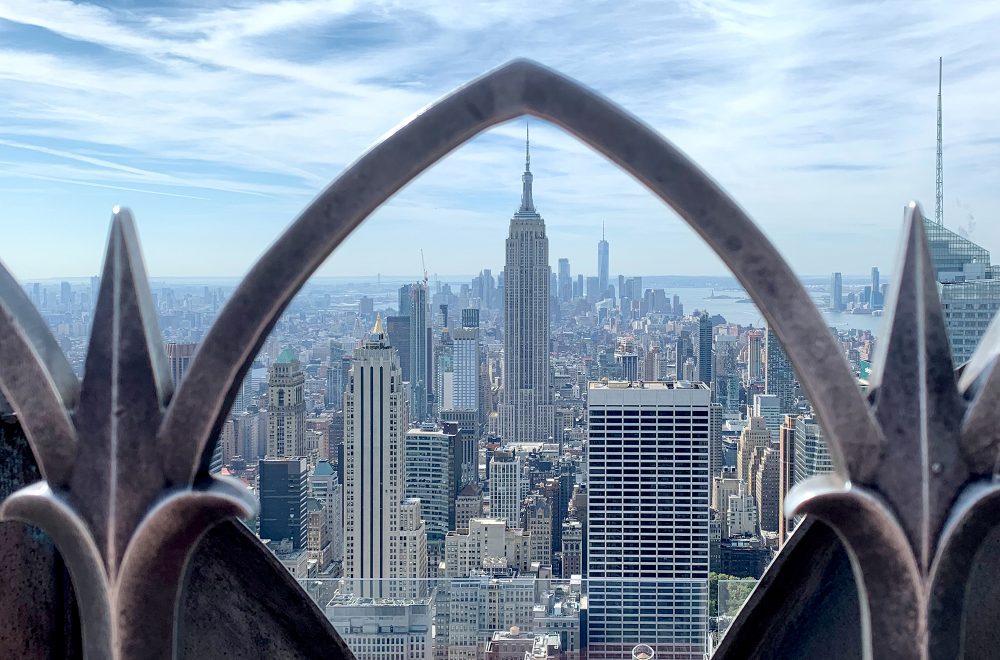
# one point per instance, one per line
(125, 491)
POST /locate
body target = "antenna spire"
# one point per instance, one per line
(527, 145)
(939, 207)
(527, 203)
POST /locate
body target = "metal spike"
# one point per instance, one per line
(38, 382)
(916, 400)
(126, 384)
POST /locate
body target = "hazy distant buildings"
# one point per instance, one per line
(526, 413)
(565, 281)
(648, 455)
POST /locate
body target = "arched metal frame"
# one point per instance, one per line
(126, 491)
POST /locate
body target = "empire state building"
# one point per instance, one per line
(526, 414)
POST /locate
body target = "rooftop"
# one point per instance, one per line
(646, 385)
(287, 356)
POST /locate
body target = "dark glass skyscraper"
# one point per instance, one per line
(970, 295)
(705, 349)
(283, 485)
(778, 377)
(836, 292)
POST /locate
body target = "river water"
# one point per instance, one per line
(747, 313)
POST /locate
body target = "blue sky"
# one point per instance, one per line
(218, 125)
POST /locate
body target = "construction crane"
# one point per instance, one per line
(424, 265)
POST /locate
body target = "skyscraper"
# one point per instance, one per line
(876, 299)
(433, 475)
(786, 474)
(682, 351)
(704, 348)
(179, 358)
(768, 407)
(565, 289)
(375, 421)
(286, 420)
(778, 377)
(527, 413)
(398, 329)
(602, 263)
(970, 294)
(506, 474)
(836, 292)
(725, 372)
(282, 486)
(647, 536)
(419, 356)
(755, 351)
(466, 355)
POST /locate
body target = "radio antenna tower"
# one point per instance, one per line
(939, 207)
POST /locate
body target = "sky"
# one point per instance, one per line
(217, 123)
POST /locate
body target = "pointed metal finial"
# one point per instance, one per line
(378, 328)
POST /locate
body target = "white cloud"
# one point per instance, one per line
(818, 118)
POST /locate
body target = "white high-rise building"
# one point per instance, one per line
(526, 414)
(506, 470)
(648, 518)
(466, 359)
(380, 536)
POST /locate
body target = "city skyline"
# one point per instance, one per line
(245, 135)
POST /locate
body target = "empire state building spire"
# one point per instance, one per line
(526, 410)
(527, 203)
